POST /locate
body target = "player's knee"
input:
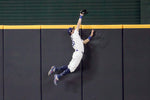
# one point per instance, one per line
(71, 70)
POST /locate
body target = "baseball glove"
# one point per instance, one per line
(84, 11)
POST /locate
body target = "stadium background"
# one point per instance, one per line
(115, 64)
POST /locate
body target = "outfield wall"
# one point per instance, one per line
(1, 63)
(115, 65)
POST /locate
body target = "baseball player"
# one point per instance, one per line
(78, 45)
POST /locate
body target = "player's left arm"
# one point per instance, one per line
(89, 38)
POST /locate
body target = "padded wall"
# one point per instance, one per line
(29, 53)
(136, 64)
(22, 64)
(102, 65)
(57, 50)
(1, 65)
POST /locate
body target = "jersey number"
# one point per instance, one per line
(73, 43)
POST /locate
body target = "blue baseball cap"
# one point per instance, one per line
(70, 30)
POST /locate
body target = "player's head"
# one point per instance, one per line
(70, 30)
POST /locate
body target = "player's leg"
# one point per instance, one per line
(55, 69)
(61, 68)
(76, 61)
(58, 76)
(71, 67)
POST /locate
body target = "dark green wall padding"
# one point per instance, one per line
(48, 12)
(145, 11)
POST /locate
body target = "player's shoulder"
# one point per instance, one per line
(76, 31)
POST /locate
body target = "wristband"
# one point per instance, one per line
(89, 37)
(81, 17)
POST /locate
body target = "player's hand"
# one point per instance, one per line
(81, 14)
(92, 33)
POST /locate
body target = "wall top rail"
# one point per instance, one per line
(132, 26)
(22, 26)
(1, 26)
(137, 26)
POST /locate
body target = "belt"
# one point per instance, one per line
(80, 51)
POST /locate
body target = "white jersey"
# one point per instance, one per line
(77, 42)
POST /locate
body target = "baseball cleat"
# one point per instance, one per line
(52, 70)
(56, 79)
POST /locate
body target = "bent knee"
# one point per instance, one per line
(72, 69)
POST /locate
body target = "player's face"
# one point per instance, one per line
(72, 31)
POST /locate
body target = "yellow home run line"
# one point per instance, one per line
(136, 26)
(22, 26)
(67, 26)
(56, 26)
(1, 27)
(82, 26)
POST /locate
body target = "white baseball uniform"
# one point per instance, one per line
(78, 45)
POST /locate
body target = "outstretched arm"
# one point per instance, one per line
(89, 38)
(79, 21)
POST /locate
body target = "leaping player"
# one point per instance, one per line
(78, 45)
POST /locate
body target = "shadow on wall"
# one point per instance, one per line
(92, 51)
(72, 82)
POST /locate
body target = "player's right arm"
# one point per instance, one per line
(79, 22)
